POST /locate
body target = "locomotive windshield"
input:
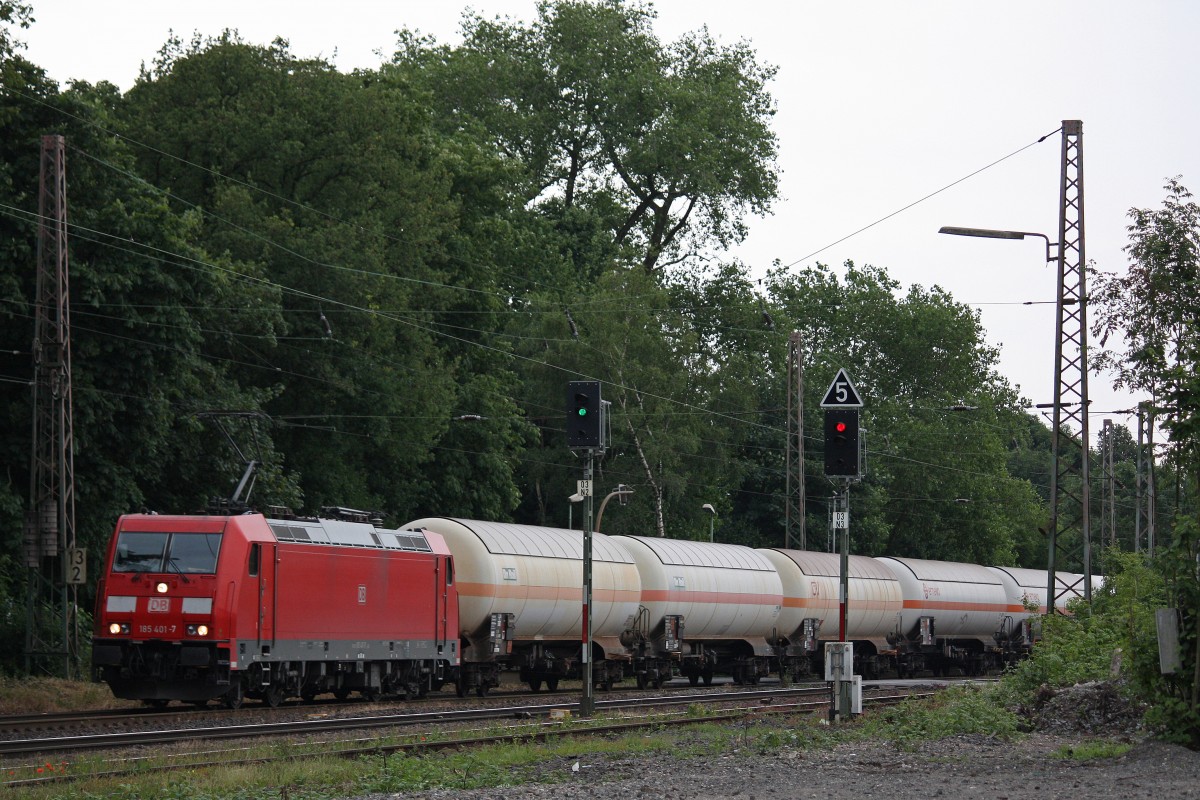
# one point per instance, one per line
(184, 553)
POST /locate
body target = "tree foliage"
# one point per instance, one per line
(668, 146)
(1154, 307)
(380, 284)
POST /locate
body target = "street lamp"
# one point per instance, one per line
(986, 233)
(1079, 385)
(713, 512)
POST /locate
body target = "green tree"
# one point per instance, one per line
(1153, 306)
(338, 188)
(669, 146)
(938, 419)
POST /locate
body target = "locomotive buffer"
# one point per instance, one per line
(843, 465)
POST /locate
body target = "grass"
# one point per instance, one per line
(50, 695)
(952, 712)
(1091, 750)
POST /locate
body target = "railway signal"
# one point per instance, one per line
(585, 415)
(842, 451)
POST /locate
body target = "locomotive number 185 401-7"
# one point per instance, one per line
(161, 629)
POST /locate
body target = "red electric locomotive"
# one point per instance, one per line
(197, 608)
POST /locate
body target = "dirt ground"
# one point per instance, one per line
(972, 767)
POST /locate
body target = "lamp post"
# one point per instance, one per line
(621, 491)
(1076, 386)
(713, 515)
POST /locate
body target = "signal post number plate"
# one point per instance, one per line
(841, 520)
(584, 488)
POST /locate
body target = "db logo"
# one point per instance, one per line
(158, 605)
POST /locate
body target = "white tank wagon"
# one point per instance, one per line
(951, 613)
(1026, 590)
(520, 590)
(811, 590)
(726, 597)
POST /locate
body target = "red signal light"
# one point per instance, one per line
(840, 427)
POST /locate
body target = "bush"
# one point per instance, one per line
(953, 712)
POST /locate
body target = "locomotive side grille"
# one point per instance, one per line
(291, 533)
(417, 543)
(344, 534)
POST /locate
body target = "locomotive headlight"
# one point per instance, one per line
(161, 587)
(197, 630)
(118, 627)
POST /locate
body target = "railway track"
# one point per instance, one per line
(388, 733)
(321, 724)
(59, 758)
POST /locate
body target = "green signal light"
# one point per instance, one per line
(582, 412)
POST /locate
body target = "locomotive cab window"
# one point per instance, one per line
(182, 553)
(140, 552)
(255, 557)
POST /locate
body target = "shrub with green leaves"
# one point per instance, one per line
(955, 711)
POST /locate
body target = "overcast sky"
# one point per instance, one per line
(879, 105)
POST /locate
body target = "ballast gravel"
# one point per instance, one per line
(969, 767)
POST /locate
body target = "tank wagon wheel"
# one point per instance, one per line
(341, 693)
(370, 694)
(481, 690)
(707, 676)
(234, 697)
(552, 684)
(308, 693)
(693, 679)
(641, 680)
(535, 684)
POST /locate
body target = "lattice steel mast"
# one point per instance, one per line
(51, 634)
(1070, 524)
(794, 526)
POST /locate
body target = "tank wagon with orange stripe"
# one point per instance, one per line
(520, 590)
(951, 616)
(811, 589)
(724, 600)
